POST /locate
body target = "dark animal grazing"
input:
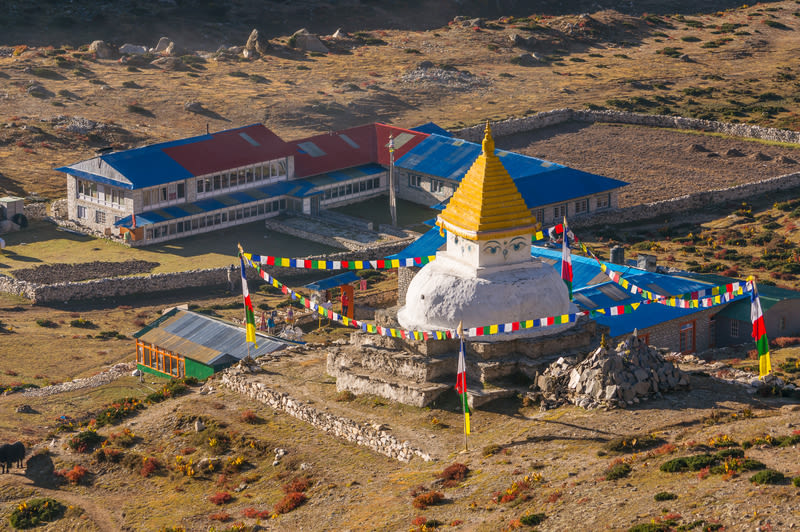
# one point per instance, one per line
(5, 457)
(10, 455)
(18, 453)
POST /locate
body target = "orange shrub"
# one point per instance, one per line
(289, 502)
(149, 466)
(74, 475)
(426, 499)
(299, 484)
(220, 516)
(221, 497)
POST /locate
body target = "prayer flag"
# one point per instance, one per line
(461, 379)
(759, 331)
(249, 316)
(566, 260)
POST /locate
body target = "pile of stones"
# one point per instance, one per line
(624, 376)
(114, 372)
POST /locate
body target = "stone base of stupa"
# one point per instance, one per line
(418, 372)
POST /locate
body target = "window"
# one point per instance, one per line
(100, 217)
(415, 180)
(376, 183)
(581, 206)
(539, 215)
(734, 328)
(87, 188)
(181, 190)
(81, 211)
(559, 211)
(604, 201)
(117, 219)
(436, 185)
(687, 337)
(162, 194)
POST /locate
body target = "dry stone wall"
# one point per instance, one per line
(375, 438)
(659, 208)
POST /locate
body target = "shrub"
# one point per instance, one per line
(108, 454)
(248, 416)
(633, 443)
(299, 484)
(74, 475)
(489, 450)
(767, 476)
(84, 441)
(149, 465)
(173, 388)
(664, 496)
(81, 323)
(532, 519)
(220, 516)
(796, 482)
(117, 411)
(344, 396)
(453, 474)
(617, 469)
(429, 498)
(42, 322)
(289, 502)
(221, 497)
(35, 512)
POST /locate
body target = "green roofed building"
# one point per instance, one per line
(182, 343)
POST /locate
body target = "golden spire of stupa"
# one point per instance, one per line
(487, 202)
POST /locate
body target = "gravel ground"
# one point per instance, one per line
(658, 163)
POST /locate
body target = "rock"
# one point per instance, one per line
(136, 373)
(256, 45)
(733, 152)
(206, 464)
(698, 148)
(169, 63)
(38, 91)
(339, 34)
(476, 22)
(424, 65)
(528, 60)
(193, 107)
(171, 50)
(758, 156)
(786, 160)
(132, 49)
(790, 408)
(25, 409)
(309, 42)
(611, 392)
(199, 426)
(162, 45)
(686, 59)
(101, 50)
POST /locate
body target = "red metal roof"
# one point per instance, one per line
(231, 148)
(334, 151)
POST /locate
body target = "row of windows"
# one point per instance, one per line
(165, 194)
(89, 190)
(241, 177)
(99, 216)
(241, 213)
(159, 359)
(352, 188)
(437, 185)
(581, 206)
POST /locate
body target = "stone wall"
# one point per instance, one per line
(667, 207)
(374, 438)
(161, 282)
(667, 334)
(404, 277)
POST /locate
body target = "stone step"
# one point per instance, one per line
(478, 396)
(394, 364)
(399, 390)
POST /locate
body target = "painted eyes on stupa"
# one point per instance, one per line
(492, 249)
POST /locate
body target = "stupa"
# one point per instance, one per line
(486, 274)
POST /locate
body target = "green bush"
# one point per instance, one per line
(731, 452)
(84, 441)
(633, 443)
(173, 388)
(664, 496)
(492, 449)
(35, 512)
(767, 476)
(618, 470)
(81, 323)
(650, 527)
(796, 482)
(42, 322)
(532, 519)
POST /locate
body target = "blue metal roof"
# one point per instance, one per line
(332, 282)
(299, 188)
(338, 176)
(424, 246)
(432, 128)
(94, 177)
(149, 165)
(540, 182)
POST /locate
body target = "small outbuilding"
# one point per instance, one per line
(182, 343)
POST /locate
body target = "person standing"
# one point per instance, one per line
(345, 302)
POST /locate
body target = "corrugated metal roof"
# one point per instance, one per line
(432, 128)
(227, 149)
(329, 151)
(299, 188)
(332, 282)
(540, 182)
(424, 246)
(204, 339)
(167, 162)
(347, 174)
